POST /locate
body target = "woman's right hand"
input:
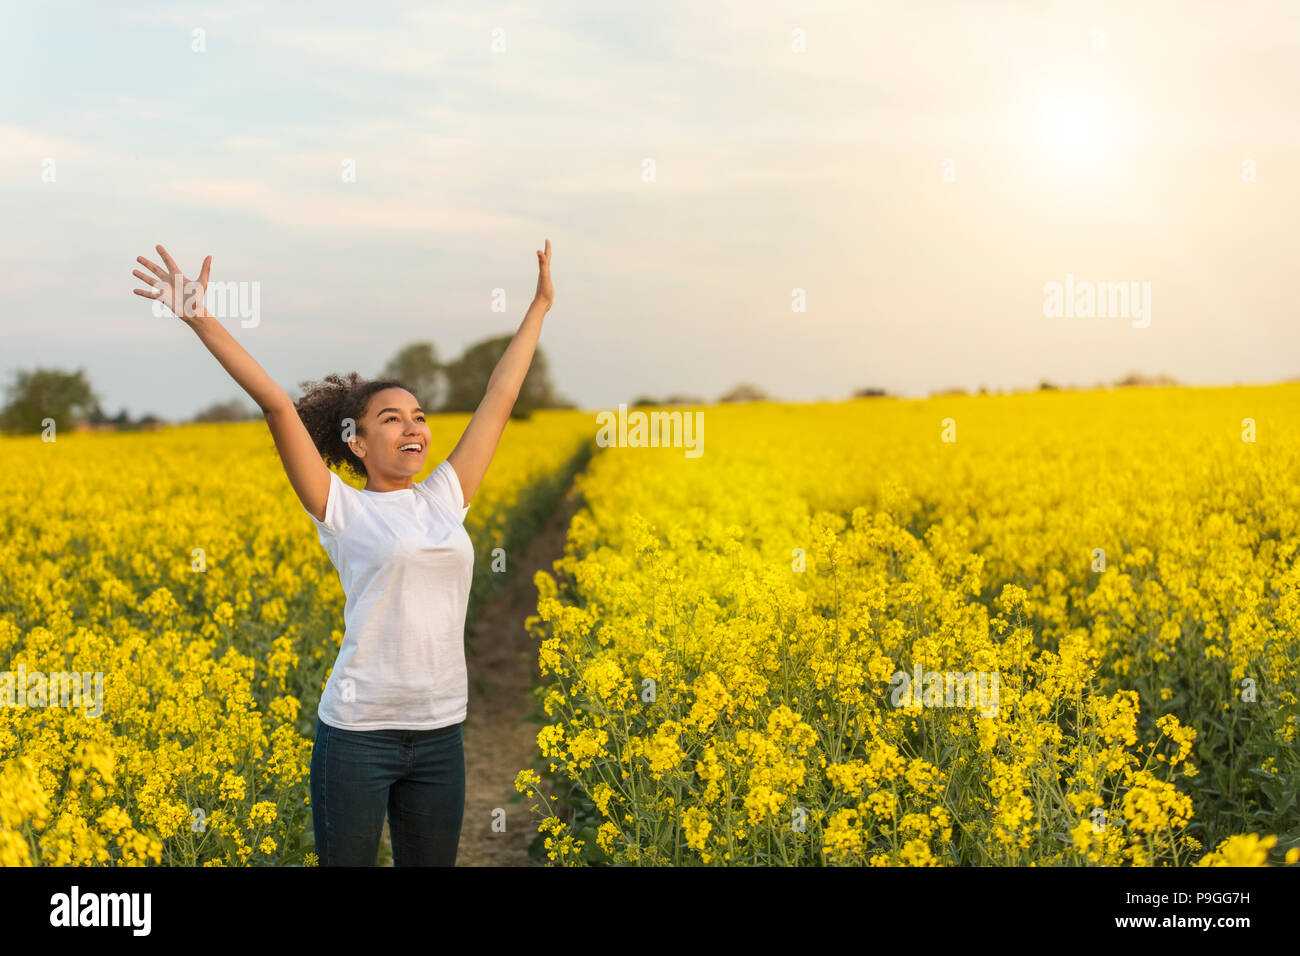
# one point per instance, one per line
(184, 297)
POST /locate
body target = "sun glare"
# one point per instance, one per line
(1074, 133)
(1077, 129)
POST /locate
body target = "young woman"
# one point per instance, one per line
(388, 733)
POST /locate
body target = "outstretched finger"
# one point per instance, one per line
(148, 293)
(149, 279)
(156, 270)
(171, 263)
(203, 274)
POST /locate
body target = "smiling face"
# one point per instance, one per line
(392, 440)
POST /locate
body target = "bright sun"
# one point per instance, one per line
(1076, 129)
(1073, 133)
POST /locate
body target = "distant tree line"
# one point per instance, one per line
(744, 392)
(457, 386)
(37, 395)
(1131, 380)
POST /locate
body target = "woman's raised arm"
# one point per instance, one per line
(307, 472)
(473, 453)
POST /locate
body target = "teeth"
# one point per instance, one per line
(413, 447)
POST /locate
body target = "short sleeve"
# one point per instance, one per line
(444, 485)
(340, 506)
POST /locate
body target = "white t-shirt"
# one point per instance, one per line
(405, 562)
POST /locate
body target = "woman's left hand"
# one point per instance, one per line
(545, 291)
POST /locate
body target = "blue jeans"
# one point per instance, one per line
(417, 776)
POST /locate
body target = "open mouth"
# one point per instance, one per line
(412, 448)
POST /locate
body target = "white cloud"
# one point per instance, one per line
(250, 143)
(22, 151)
(337, 210)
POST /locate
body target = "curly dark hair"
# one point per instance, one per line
(326, 405)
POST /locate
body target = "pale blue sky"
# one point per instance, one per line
(775, 170)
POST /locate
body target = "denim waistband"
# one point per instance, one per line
(395, 733)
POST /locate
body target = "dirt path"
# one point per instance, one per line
(502, 662)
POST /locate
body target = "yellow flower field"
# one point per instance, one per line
(750, 656)
(180, 567)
